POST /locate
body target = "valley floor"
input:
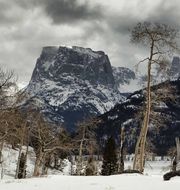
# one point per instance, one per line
(117, 182)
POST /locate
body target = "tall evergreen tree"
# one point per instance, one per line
(110, 165)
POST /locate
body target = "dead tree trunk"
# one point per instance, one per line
(178, 149)
(174, 164)
(39, 157)
(1, 160)
(46, 162)
(26, 155)
(176, 159)
(139, 158)
(20, 151)
(161, 39)
(80, 160)
(121, 155)
(18, 162)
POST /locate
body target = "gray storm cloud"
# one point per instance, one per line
(69, 11)
(27, 25)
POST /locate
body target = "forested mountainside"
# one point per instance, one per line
(129, 114)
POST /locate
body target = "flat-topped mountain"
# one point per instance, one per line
(71, 84)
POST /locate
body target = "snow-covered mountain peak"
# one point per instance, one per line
(73, 83)
(81, 63)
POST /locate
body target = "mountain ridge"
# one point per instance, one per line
(129, 115)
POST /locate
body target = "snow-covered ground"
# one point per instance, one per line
(151, 180)
(117, 182)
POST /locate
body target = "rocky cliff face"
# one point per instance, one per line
(84, 64)
(123, 75)
(71, 84)
(126, 80)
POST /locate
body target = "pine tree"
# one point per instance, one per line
(110, 165)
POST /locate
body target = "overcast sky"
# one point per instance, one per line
(28, 25)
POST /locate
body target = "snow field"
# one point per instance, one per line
(116, 182)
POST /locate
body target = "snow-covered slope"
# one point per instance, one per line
(70, 84)
(152, 177)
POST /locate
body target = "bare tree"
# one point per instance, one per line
(12, 121)
(160, 41)
(42, 139)
(86, 138)
(7, 82)
(46, 139)
(11, 130)
(59, 149)
(7, 87)
(7, 92)
(177, 156)
(21, 135)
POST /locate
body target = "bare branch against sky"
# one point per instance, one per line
(28, 25)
